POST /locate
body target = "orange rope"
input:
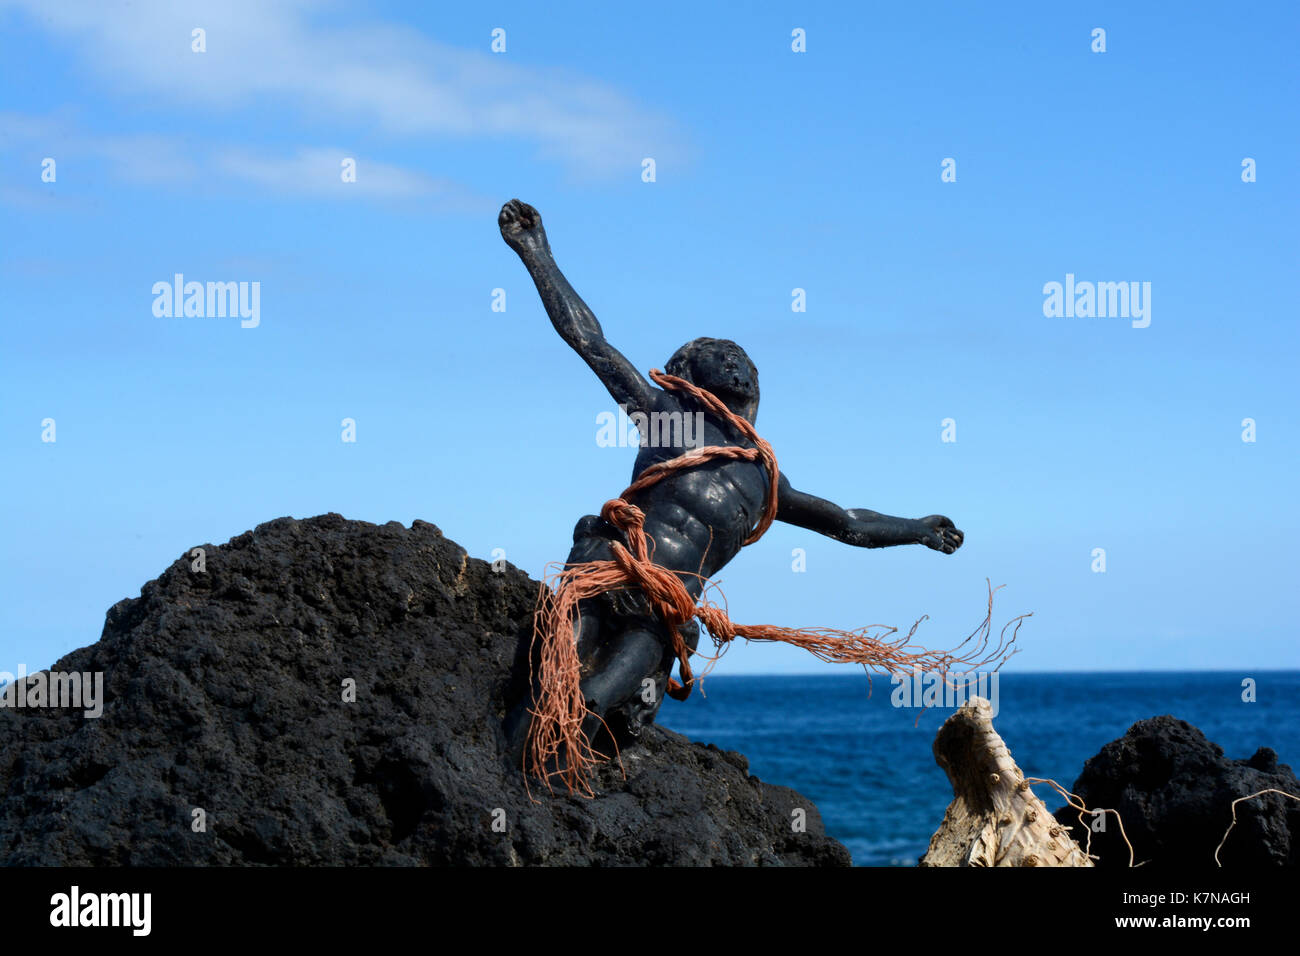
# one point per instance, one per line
(556, 744)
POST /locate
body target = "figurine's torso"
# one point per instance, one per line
(698, 518)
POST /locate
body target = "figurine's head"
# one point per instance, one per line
(722, 367)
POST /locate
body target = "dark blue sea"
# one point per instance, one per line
(872, 773)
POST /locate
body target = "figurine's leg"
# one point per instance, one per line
(590, 630)
(620, 667)
(628, 718)
(519, 718)
(588, 545)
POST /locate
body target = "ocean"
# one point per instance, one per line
(872, 774)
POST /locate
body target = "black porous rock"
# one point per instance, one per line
(225, 694)
(1174, 789)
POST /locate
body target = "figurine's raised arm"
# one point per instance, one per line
(521, 228)
(860, 527)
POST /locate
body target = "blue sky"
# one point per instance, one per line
(775, 170)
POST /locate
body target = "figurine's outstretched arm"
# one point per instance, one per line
(521, 228)
(860, 527)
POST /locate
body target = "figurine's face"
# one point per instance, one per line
(722, 367)
(725, 371)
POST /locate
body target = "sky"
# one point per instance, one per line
(774, 170)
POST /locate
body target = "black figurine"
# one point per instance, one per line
(698, 518)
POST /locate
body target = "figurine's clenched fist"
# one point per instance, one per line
(521, 227)
(940, 534)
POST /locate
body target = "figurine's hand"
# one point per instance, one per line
(521, 227)
(940, 534)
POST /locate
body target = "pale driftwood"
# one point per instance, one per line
(994, 818)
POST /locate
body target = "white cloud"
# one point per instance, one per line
(317, 172)
(152, 159)
(282, 54)
(131, 157)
